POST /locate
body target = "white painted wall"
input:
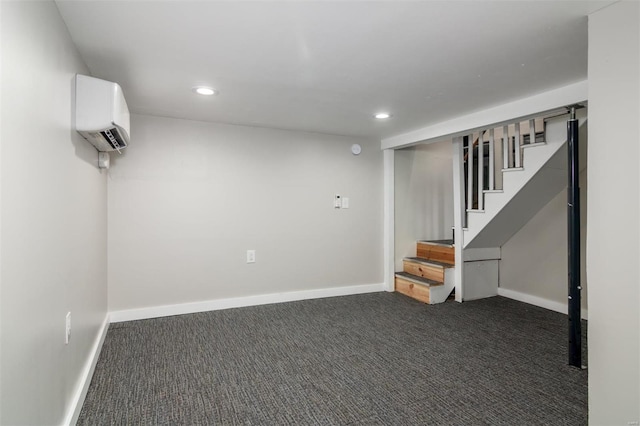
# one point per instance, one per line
(423, 196)
(534, 261)
(613, 235)
(188, 198)
(53, 219)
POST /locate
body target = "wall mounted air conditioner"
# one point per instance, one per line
(102, 116)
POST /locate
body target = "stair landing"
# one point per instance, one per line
(444, 243)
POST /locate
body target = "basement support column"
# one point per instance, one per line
(573, 231)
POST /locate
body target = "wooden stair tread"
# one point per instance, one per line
(429, 262)
(436, 251)
(442, 243)
(417, 280)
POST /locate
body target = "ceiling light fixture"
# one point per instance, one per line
(203, 90)
(382, 115)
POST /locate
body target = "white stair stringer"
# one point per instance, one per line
(525, 191)
(440, 293)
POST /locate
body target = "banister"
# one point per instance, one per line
(511, 154)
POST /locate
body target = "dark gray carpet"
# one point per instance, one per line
(359, 360)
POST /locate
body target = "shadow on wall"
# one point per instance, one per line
(423, 196)
(83, 149)
(534, 260)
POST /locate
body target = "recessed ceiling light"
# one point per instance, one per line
(382, 115)
(203, 90)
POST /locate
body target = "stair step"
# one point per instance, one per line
(417, 280)
(429, 262)
(438, 251)
(442, 243)
(474, 211)
(531, 145)
(414, 287)
(513, 169)
(429, 269)
(492, 191)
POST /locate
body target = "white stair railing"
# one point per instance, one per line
(481, 174)
(516, 148)
(532, 131)
(506, 152)
(480, 170)
(492, 171)
(470, 186)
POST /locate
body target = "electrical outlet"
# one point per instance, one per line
(67, 334)
(251, 256)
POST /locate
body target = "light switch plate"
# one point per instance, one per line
(67, 329)
(337, 202)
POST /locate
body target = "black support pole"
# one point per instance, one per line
(573, 228)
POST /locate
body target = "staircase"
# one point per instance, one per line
(532, 174)
(428, 277)
(506, 174)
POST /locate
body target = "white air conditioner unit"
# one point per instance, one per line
(102, 116)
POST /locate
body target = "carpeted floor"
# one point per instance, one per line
(368, 359)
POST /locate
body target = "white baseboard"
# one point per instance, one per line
(538, 301)
(239, 302)
(82, 386)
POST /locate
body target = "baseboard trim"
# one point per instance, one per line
(82, 386)
(240, 302)
(538, 301)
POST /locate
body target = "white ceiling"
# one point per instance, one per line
(328, 66)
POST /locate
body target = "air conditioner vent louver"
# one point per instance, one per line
(113, 138)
